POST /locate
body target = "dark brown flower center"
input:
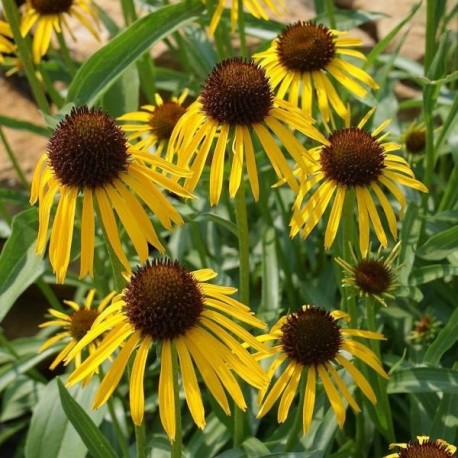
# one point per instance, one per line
(372, 276)
(81, 322)
(353, 158)
(416, 141)
(87, 149)
(237, 91)
(164, 119)
(306, 47)
(51, 6)
(428, 449)
(163, 299)
(311, 336)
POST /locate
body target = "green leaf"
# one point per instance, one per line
(427, 274)
(18, 124)
(440, 245)
(423, 380)
(445, 339)
(445, 424)
(19, 265)
(231, 227)
(95, 441)
(382, 44)
(105, 66)
(51, 434)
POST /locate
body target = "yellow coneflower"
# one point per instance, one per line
(311, 344)
(74, 326)
(168, 306)
(6, 45)
(372, 275)
(414, 139)
(235, 103)
(88, 154)
(424, 447)
(359, 161)
(49, 15)
(256, 7)
(301, 59)
(154, 123)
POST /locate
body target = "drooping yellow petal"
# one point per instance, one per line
(166, 391)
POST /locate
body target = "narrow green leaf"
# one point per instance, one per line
(382, 44)
(423, 380)
(105, 66)
(19, 265)
(410, 234)
(19, 124)
(50, 433)
(445, 424)
(95, 441)
(445, 339)
(440, 245)
(231, 227)
(430, 273)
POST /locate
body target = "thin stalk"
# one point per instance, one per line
(244, 285)
(329, 6)
(177, 444)
(140, 440)
(13, 159)
(56, 98)
(116, 425)
(241, 25)
(293, 434)
(69, 62)
(25, 55)
(199, 244)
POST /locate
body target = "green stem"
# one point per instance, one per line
(116, 425)
(69, 62)
(244, 285)
(177, 444)
(56, 98)
(49, 294)
(241, 25)
(293, 434)
(329, 5)
(140, 440)
(13, 159)
(25, 55)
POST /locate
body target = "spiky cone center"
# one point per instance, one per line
(427, 449)
(372, 276)
(353, 158)
(311, 336)
(306, 47)
(88, 149)
(81, 321)
(237, 92)
(163, 300)
(415, 141)
(51, 6)
(164, 119)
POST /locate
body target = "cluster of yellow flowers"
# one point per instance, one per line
(116, 170)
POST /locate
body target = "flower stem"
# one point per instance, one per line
(329, 6)
(69, 62)
(25, 55)
(177, 444)
(241, 25)
(244, 285)
(140, 440)
(13, 159)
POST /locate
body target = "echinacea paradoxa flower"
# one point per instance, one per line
(51, 15)
(424, 447)
(153, 124)
(306, 58)
(372, 275)
(88, 155)
(359, 163)
(235, 103)
(73, 327)
(166, 308)
(311, 343)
